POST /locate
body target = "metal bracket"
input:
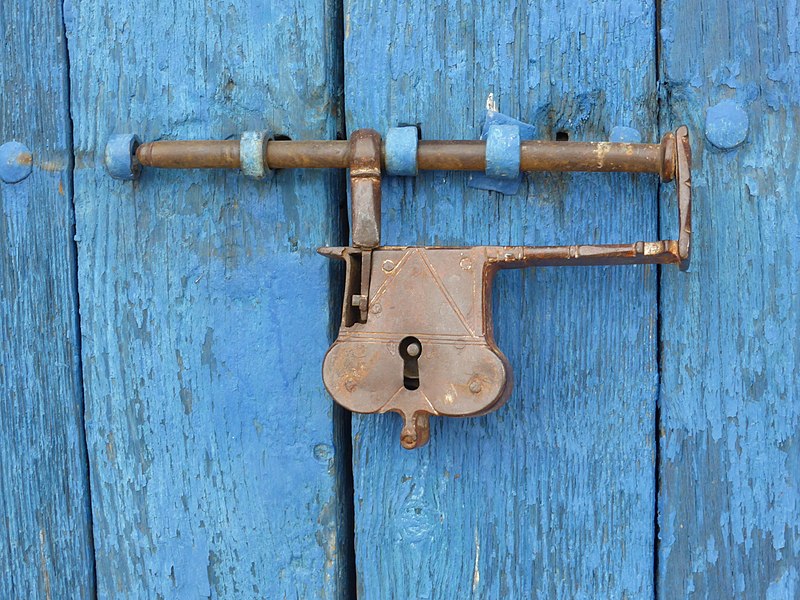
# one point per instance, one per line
(365, 198)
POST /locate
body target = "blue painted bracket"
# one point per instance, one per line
(482, 181)
(502, 152)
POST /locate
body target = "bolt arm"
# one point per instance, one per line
(432, 155)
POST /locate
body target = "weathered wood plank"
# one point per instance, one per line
(45, 531)
(205, 312)
(554, 495)
(730, 394)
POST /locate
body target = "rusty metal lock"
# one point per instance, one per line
(416, 334)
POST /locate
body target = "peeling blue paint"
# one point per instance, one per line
(46, 548)
(730, 386)
(553, 495)
(213, 457)
(786, 586)
(206, 310)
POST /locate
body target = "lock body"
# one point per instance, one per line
(420, 341)
(436, 302)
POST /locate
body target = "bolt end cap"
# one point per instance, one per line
(120, 157)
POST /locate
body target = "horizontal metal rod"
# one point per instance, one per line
(195, 154)
(308, 155)
(466, 155)
(660, 252)
(518, 257)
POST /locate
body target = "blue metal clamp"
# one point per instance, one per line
(489, 181)
(502, 152)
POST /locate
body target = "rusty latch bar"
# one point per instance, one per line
(435, 354)
(432, 155)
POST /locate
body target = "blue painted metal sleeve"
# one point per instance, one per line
(502, 152)
(401, 151)
(482, 181)
(252, 150)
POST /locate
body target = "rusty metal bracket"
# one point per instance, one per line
(365, 198)
(416, 335)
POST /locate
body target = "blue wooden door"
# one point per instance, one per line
(554, 494)
(212, 442)
(164, 430)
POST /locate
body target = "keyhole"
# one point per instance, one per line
(410, 351)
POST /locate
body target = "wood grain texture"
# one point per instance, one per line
(553, 496)
(730, 398)
(45, 527)
(205, 311)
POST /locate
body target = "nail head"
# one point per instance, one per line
(16, 162)
(628, 135)
(727, 124)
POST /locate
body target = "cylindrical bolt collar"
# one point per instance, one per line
(120, 157)
(253, 154)
(401, 151)
(16, 162)
(502, 152)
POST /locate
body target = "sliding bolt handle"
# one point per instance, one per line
(124, 155)
(365, 188)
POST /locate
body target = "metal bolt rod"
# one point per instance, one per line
(195, 154)
(466, 155)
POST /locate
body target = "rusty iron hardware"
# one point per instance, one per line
(432, 155)
(416, 333)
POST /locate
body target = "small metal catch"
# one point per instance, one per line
(435, 354)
